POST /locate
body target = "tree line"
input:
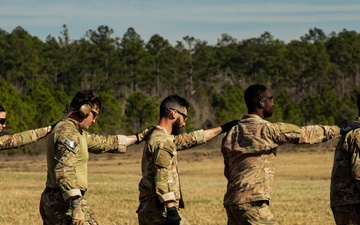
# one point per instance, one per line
(315, 79)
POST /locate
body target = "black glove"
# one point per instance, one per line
(144, 134)
(227, 126)
(346, 127)
(172, 216)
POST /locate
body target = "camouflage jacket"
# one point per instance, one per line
(345, 177)
(23, 138)
(68, 153)
(159, 164)
(249, 151)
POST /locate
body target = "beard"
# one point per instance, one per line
(176, 128)
(268, 113)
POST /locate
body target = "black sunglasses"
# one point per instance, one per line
(95, 114)
(268, 98)
(2, 121)
(183, 114)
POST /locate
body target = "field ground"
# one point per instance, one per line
(300, 191)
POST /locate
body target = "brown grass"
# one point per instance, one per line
(300, 192)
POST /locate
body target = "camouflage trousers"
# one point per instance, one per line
(253, 213)
(55, 210)
(152, 212)
(347, 214)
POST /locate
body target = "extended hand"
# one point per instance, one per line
(144, 134)
(227, 126)
(346, 127)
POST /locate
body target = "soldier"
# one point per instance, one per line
(22, 138)
(249, 151)
(160, 193)
(345, 177)
(63, 200)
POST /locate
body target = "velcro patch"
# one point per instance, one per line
(70, 143)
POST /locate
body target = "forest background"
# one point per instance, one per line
(315, 79)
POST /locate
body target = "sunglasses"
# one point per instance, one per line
(95, 114)
(268, 98)
(183, 114)
(2, 121)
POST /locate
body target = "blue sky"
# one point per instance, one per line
(173, 19)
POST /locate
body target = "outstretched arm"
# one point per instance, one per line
(185, 141)
(23, 138)
(212, 133)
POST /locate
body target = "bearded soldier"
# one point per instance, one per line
(160, 193)
(249, 151)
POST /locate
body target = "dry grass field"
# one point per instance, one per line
(300, 192)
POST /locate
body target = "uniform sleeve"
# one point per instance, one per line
(23, 138)
(66, 153)
(102, 144)
(166, 180)
(355, 161)
(192, 139)
(289, 133)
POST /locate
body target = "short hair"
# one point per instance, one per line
(84, 97)
(253, 94)
(2, 109)
(172, 101)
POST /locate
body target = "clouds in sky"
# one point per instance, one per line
(205, 20)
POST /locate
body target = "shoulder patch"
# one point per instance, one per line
(70, 143)
(165, 154)
(168, 146)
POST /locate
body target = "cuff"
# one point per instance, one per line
(71, 193)
(335, 131)
(121, 143)
(167, 197)
(199, 136)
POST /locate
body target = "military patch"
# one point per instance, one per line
(164, 158)
(166, 152)
(70, 143)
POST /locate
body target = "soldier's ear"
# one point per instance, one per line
(172, 114)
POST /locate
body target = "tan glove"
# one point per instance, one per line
(78, 217)
(144, 134)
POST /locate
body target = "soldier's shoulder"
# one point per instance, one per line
(66, 131)
(355, 134)
(161, 140)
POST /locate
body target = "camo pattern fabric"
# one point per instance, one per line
(345, 177)
(249, 151)
(23, 138)
(67, 156)
(160, 179)
(55, 211)
(250, 213)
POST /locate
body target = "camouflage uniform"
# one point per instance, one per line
(160, 179)
(23, 138)
(249, 151)
(345, 179)
(67, 156)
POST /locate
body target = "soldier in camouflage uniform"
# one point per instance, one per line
(63, 201)
(345, 177)
(249, 151)
(22, 138)
(160, 193)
